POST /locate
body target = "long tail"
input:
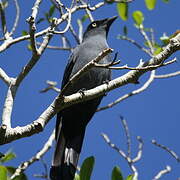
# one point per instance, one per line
(66, 156)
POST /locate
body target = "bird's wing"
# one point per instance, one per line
(66, 77)
(69, 68)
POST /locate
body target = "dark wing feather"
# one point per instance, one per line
(66, 77)
(68, 69)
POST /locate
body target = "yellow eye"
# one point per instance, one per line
(94, 25)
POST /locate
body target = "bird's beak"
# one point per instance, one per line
(109, 21)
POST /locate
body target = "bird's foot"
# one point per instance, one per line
(81, 91)
(106, 82)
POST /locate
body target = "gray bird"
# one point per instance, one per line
(72, 121)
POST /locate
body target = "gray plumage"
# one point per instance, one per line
(72, 121)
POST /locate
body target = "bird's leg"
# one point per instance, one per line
(106, 82)
(115, 57)
(81, 91)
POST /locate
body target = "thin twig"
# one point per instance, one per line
(140, 150)
(167, 75)
(7, 44)
(109, 66)
(59, 5)
(127, 158)
(152, 36)
(137, 91)
(88, 11)
(108, 141)
(32, 30)
(89, 65)
(171, 152)
(23, 166)
(43, 175)
(16, 19)
(32, 26)
(76, 37)
(79, 22)
(67, 26)
(141, 29)
(56, 47)
(136, 44)
(162, 172)
(113, 63)
(51, 85)
(126, 129)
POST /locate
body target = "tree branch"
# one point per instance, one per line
(137, 91)
(126, 129)
(3, 20)
(110, 66)
(136, 44)
(23, 166)
(127, 156)
(5, 77)
(62, 102)
(171, 152)
(167, 75)
(146, 38)
(162, 172)
(16, 19)
(36, 56)
(10, 42)
(88, 66)
(51, 85)
(8, 105)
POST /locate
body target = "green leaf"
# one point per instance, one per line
(5, 4)
(130, 177)
(158, 50)
(77, 177)
(150, 4)
(166, 1)
(47, 16)
(11, 171)
(1, 155)
(8, 156)
(3, 173)
(165, 39)
(40, 20)
(125, 30)
(51, 10)
(138, 17)
(24, 33)
(86, 168)
(116, 174)
(122, 9)
(83, 19)
(29, 47)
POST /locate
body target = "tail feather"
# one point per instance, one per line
(66, 156)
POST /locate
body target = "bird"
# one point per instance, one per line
(72, 121)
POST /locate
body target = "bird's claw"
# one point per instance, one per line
(81, 91)
(106, 82)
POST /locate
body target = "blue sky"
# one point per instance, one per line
(153, 114)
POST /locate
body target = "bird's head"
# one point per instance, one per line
(99, 27)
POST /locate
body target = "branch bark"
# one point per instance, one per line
(10, 42)
(61, 102)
